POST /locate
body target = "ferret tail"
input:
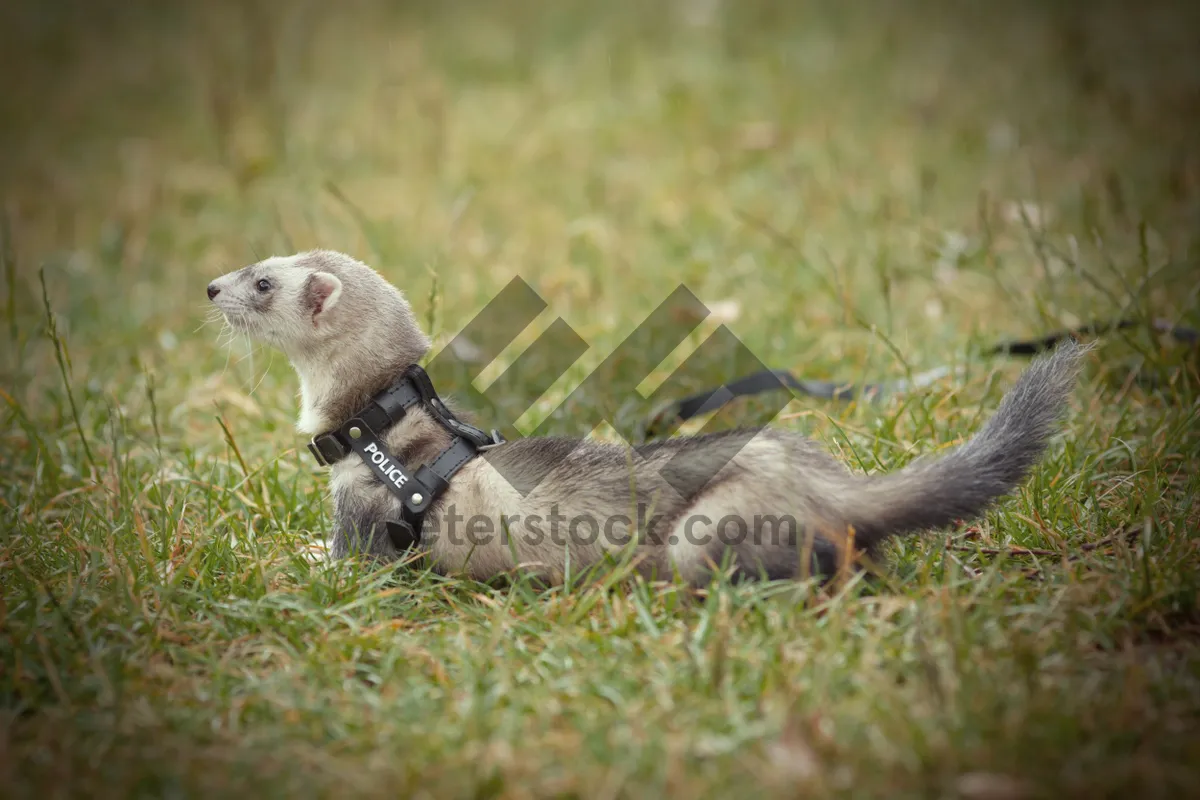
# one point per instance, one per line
(966, 481)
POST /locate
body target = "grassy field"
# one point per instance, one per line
(863, 191)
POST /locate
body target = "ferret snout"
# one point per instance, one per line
(213, 290)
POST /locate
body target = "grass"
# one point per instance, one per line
(878, 191)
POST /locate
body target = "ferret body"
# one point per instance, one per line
(778, 508)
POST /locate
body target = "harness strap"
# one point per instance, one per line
(385, 409)
(417, 491)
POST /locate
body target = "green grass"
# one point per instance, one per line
(851, 177)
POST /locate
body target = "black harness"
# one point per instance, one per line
(361, 434)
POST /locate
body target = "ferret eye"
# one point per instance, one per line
(264, 285)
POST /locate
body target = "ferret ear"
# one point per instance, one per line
(321, 292)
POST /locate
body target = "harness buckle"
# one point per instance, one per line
(316, 454)
(327, 449)
(496, 441)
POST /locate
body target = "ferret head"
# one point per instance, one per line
(287, 301)
(342, 325)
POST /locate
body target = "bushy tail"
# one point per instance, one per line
(963, 483)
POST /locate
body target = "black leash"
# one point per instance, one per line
(771, 380)
(1030, 347)
(418, 490)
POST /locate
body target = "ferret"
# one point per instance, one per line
(349, 334)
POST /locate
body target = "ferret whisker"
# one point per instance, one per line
(227, 334)
(211, 317)
(270, 361)
(249, 354)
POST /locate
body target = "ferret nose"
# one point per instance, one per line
(213, 291)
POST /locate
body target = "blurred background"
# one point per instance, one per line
(858, 189)
(948, 172)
